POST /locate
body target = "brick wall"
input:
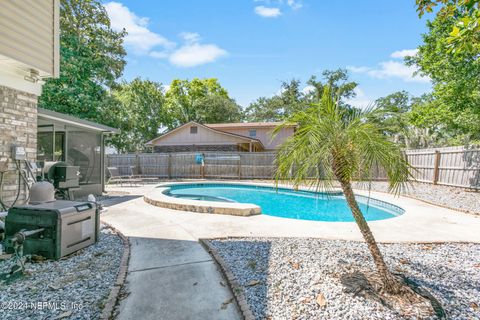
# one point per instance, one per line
(18, 126)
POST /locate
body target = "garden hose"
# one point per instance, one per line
(21, 177)
(2, 205)
(1, 190)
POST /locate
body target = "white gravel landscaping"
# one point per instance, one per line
(283, 278)
(74, 287)
(451, 197)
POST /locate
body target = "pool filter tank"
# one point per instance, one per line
(41, 192)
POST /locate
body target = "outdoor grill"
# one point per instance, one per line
(68, 226)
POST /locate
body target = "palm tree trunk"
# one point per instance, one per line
(391, 285)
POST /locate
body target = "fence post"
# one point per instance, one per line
(137, 164)
(239, 166)
(436, 166)
(169, 166)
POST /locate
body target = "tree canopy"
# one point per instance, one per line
(464, 32)
(456, 82)
(200, 100)
(292, 98)
(92, 58)
(141, 115)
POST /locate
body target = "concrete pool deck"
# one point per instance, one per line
(421, 222)
(172, 277)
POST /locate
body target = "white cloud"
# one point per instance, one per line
(190, 37)
(308, 89)
(268, 12)
(139, 37)
(392, 69)
(159, 54)
(358, 69)
(395, 69)
(295, 5)
(193, 53)
(143, 41)
(400, 54)
(361, 100)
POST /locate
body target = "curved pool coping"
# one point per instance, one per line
(158, 198)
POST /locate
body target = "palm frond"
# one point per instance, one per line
(334, 143)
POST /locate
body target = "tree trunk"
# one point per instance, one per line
(390, 283)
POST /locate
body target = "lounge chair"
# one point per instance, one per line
(116, 177)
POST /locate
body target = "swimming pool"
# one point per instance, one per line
(286, 203)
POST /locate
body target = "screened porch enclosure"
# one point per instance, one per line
(76, 142)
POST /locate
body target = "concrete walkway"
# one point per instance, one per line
(171, 276)
(174, 279)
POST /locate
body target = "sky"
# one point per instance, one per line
(251, 46)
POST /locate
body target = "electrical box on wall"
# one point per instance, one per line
(19, 153)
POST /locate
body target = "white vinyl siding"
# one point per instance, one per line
(29, 33)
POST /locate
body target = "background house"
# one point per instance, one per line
(246, 137)
(257, 130)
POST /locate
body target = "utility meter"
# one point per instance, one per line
(19, 153)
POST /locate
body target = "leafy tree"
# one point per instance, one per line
(292, 98)
(91, 60)
(399, 115)
(140, 115)
(201, 100)
(339, 83)
(393, 115)
(217, 109)
(456, 83)
(464, 33)
(331, 144)
(276, 108)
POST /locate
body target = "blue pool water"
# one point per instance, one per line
(287, 203)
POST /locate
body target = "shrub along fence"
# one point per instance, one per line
(453, 166)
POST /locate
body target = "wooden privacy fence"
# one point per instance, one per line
(234, 165)
(453, 166)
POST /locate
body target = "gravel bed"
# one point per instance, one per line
(74, 287)
(452, 197)
(283, 277)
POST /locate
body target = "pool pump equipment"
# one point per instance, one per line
(65, 178)
(66, 226)
(50, 223)
(62, 226)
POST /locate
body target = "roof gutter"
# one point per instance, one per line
(78, 123)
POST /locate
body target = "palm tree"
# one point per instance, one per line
(337, 144)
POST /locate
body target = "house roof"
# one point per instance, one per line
(244, 125)
(57, 116)
(247, 139)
